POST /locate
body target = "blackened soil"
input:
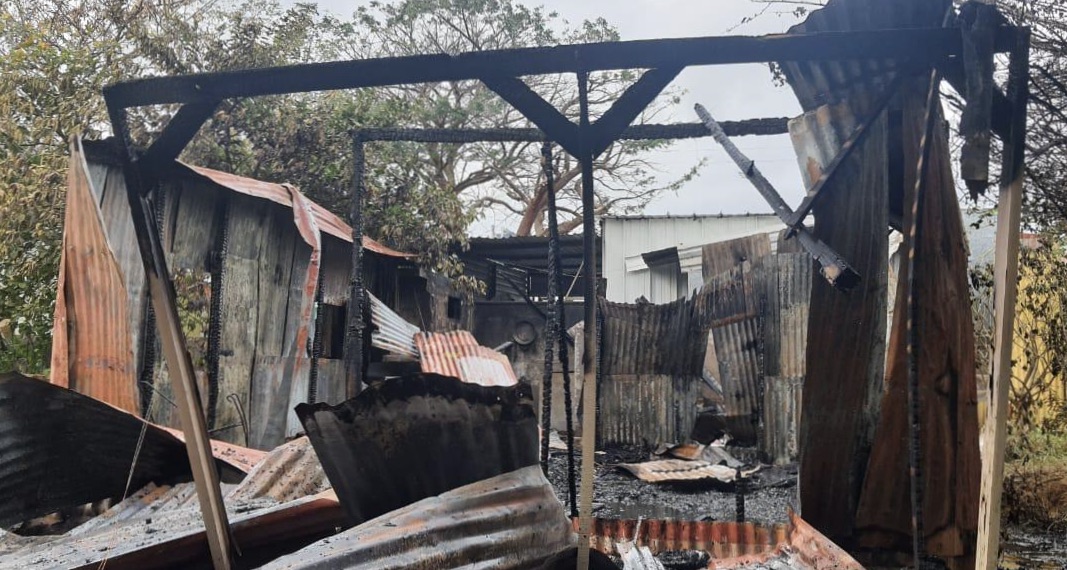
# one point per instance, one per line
(619, 495)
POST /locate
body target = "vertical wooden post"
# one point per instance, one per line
(179, 364)
(1005, 272)
(589, 354)
(355, 324)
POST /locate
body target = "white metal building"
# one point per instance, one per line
(633, 269)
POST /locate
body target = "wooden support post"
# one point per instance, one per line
(589, 354)
(357, 296)
(1005, 272)
(179, 364)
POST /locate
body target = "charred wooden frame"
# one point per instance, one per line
(500, 70)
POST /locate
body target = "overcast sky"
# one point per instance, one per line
(729, 93)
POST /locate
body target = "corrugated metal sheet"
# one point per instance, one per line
(737, 355)
(807, 549)
(458, 354)
(647, 409)
(440, 432)
(241, 458)
(781, 422)
(281, 194)
(719, 539)
(289, 472)
(511, 521)
(62, 449)
(793, 293)
(392, 333)
(162, 529)
(91, 350)
(673, 470)
(818, 83)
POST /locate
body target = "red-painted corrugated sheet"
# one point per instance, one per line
(458, 354)
(281, 194)
(92, 295)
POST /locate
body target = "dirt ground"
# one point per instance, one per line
(620, 495)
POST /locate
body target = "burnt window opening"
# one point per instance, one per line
(455, 308)
(332, 321)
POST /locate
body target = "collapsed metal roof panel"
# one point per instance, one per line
(806, 549)
(458, 354)
(821, 82)
(62, 449)
(721, 540)
(672, 470)
(140, 536)
(392, 333)
(439, 432)
(241, 458)
(289, 471)
(327, 221)
(510, 521)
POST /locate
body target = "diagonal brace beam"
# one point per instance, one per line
(540, 112)
(627, 107)
(178, 132)
(818, 189)
(832, 266)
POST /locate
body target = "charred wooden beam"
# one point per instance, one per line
(556, 126)
(629, 105)
(356, 319)
(832, 266)
(980, 23)
(177, 134)
(920, 45)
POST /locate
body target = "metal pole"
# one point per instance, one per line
(1005, 272)
(179, 364)
(354, 349)
(589, 355)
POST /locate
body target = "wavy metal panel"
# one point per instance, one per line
(823, 82)
(719, 539)
(288, 472)
(737, 353)
(781, 423)
(92, 348)
(458, 354)
(63, 449)
(164, 534)
(393, 334)
(672, 470)
(794, 293)
(511, 521)
(647, 409)
(439, 432)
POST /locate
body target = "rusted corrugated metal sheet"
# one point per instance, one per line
(140, 537)
(439, 432)
(281, 194)
(719, 539)
(91, 350)
(794, 292)
(62, 449)
(392, 333)
(458, 354)
(289, 472)
(647, 409)
(672, 470)
(240, 458)
(511, 521)
(806, 549)
(737, 353)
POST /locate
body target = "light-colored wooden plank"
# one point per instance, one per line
(240, 320)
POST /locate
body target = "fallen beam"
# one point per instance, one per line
(833, 267)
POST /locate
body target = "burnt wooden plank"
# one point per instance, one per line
(237, 346)
(276, 380)
(846, 340)
(947, 385)
(194, 219)
(335, 269)
(275, 269)
(294, 318)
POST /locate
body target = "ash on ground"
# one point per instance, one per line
(619, 495)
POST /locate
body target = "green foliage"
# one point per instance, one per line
(55, 56)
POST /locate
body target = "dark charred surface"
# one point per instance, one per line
(619, 495)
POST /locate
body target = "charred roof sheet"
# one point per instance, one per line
(458, 354)
(289, 472)
(61, 449)
(439, 432)
(507, 522)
